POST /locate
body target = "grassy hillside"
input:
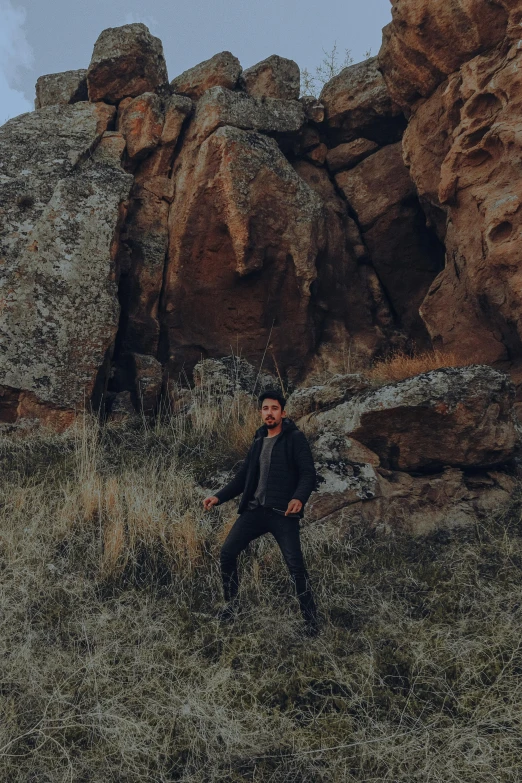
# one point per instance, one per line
(113, 668)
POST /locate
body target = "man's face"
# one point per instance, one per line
(271, 413)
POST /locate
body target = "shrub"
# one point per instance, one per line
(400, 365)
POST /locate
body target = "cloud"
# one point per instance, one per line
(15, 55)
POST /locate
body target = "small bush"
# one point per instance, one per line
(398, 366)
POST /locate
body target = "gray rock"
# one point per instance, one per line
(321, 397)
(219, 107)
(458, 417)
(61, 209)
(61, 88)
(275, 77)
(222, 70)
(126, 62)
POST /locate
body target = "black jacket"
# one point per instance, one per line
(291, 475)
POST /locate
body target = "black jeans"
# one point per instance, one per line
(252, 525)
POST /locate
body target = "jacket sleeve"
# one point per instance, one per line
(305, 466)
(237, 485)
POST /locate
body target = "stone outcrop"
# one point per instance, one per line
(61, 211)
(126, 62)
(458, 76)
(61, 88)
(275, 77)
(417, 455)
(306, 235)
(457, 417)
(222, 70)
(430, 39)
(405, 256)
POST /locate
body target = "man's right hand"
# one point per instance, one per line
(209, 502)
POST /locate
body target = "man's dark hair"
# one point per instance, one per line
(272, 394)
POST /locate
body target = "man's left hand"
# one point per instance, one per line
(294, 507)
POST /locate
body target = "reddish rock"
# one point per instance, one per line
(346, 156)
(377, 184)
(177, 109)
(275, 77)
(245, 232)
(352, 312)
(126, 62)
(405, 255)
(357, 103)
(61, 88)
(317, 154)
(470, 178)
(141, 124)
(222, 70)
(430, 39)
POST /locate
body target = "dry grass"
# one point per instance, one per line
(113, 668)
(400, 365)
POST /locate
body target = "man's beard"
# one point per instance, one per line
(271, 424)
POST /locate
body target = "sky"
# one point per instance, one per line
(48, 36)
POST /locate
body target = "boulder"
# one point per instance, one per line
(422, 505)
(141, 124)
(377, 184)
(309, 399)
(177, 109)
(430, 39)
(406, 255)
(232, 374)
(275, 77)
(313, 108)
(222, 70)
(346, 156)
(61, 88)
(61, 211)
(219, 107)
(126, 62)
(458, 417)
(357, 103)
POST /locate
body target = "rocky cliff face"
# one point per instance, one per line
(455, 70)
(148, 224)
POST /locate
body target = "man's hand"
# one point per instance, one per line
(294, 507)
(209, 502)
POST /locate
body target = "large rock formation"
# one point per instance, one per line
(148, 225)
(456, 70)
(61, 211)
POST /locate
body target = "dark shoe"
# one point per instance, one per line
(227, 614)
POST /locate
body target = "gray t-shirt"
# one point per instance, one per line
(264, 467)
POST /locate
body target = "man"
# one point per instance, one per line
(276, 479)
